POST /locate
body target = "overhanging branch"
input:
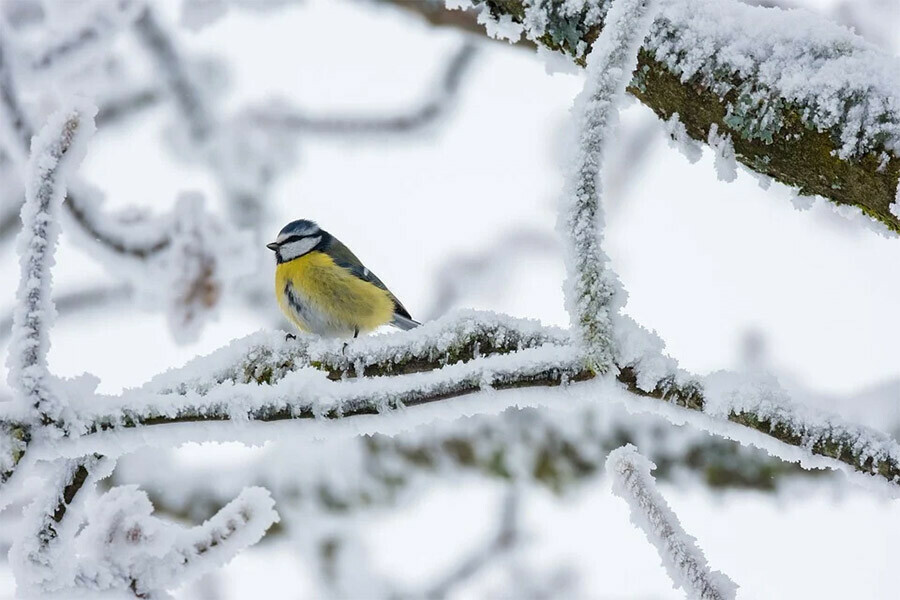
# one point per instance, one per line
(848, 154)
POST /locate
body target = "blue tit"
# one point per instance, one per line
(324, 289)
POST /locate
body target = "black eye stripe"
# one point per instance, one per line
(293, 238)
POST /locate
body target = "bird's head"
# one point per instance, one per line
(296, 239)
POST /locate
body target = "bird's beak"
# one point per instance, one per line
(273, 246)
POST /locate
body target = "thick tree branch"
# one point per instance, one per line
(266, 378)
(840, 141)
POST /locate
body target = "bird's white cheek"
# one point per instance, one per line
(292, 250)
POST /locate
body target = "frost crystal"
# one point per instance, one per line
(895, 205)
(681, 141)
(593, 293)
(683, 559)
(723, 149)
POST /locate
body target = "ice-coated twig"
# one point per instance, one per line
(683, 559)
(593, 292)
(187, 96)
(41, 556)
(96, 30)
(15, 127)
(81, 206)
(278, 117)
(89, 298)
(121, 545)
(124, 547)
(783, 84)
(55, 153)
(114, 110)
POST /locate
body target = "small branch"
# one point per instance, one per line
(437, 104)
(593, 293)
(39, 554)
(56, 151)
(187, 97)
(682, 558)
(96, 29)
(116, 109)
(16, 122)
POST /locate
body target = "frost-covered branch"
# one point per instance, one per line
(593, 293)
(55, 153)
(683, 559)
(805, 102)
(115, 543)
(89, 298)
(186, 95)
(96, 29)
(40, 556)
(124, 547)
(265, 378)
(436, 104)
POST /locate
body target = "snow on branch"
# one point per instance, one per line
(265, 378)
(781, 83)
(55, 152)
(593, 292)
(124, 547)
(683, 559)
(114, 542)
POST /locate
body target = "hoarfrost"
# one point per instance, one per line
(682, 558)
(723, 152)
(895, 205)
(593, 292)
(55, 152)
(681, 141)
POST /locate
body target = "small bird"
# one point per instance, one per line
(324, 289)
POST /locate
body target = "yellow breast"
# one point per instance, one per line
(327, 299)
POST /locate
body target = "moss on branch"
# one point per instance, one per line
(789, 149)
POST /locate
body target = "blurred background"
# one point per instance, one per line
(435, 154)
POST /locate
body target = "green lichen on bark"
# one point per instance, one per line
(785, 147)
(797, 155)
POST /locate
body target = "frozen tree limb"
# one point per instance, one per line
(436, 104)
(265, 378)
(828, 125)
(123, 547)
(40, 556)
(682, 558)
(55, 153)
(593, 293)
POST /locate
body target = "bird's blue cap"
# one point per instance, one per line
(300, 227)
(295, 229)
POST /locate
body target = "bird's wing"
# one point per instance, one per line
(343, 257)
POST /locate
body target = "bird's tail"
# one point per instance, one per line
(404, 323)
